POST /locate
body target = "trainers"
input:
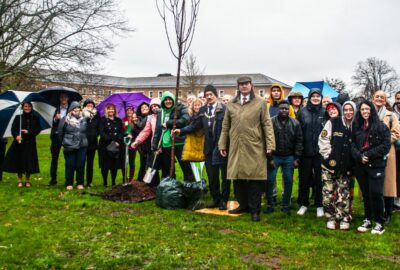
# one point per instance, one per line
(378, 229)
(331, 225)
(302, 210)
(344, 225)
(80, 187)
(320, 211)
(70, 187)
(366, 226)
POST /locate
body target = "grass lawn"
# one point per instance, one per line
(48, 227)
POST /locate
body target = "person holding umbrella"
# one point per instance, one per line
(72, 135)
(22, 157)
(55, 147)
(93, 123)
(110, 144)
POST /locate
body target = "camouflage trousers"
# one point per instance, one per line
(336, 196)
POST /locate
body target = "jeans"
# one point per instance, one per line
(75, 161)
(286, 163)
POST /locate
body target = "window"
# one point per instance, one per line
(237, 92)
(180, 94)
(221, 93)
(159, 94)
(151, 94)
(189, 92)
(110, 92)
(261, 92)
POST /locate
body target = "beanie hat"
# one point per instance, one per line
(88, 101)
(210, 88)
(155, 101)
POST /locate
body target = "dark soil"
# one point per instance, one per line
(134, 191)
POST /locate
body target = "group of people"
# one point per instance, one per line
(245, 138)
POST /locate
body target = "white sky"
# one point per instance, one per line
(289, 40)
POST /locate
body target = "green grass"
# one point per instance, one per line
(48, 227)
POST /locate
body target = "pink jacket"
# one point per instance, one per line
(147, 130)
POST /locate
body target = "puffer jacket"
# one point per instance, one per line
(288, 137)
(311, 119)
(379, 145)
(73, 137)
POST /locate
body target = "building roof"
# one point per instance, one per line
(164, 81)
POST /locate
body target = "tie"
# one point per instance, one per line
(210, 107)
(244, 99)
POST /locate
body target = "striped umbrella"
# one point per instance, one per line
(10, 107)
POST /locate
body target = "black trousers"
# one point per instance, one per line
(219, 190)
(89, 165)
(156, 178)
(371, 181)
(165, 161)
(143, 166)
(2, 154)
(309, 175)
(55, 148)
(248, 194)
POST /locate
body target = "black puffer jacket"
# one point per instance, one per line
(288, 137)
(311, 119)
(379, 145)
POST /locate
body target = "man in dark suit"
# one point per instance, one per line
(210, 120)
(55, 147)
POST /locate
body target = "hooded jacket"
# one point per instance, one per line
(335, 144)
(166, 116)
(72, 134)
(290, 97)
(311, 119)
(273, 105)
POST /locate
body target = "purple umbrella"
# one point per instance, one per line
(122, 101)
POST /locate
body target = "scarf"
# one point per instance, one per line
(365, 144)
(89, 113)
(74, 120)
(382, 113)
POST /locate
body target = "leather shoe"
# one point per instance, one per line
(213, 205)
(255, 217)
(238, 210)
(222, 206)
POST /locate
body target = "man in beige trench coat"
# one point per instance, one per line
(247, 137)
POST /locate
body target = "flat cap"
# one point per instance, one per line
(243, 79)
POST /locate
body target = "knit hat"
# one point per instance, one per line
(210, 88)
(155, 101)
(88, 101)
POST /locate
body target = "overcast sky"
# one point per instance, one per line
(288, 40)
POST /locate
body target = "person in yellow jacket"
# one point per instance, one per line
(276, 95)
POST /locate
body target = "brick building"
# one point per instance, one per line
(99, 86)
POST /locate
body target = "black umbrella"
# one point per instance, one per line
(52, 94)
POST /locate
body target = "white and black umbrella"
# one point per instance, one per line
(11, 106)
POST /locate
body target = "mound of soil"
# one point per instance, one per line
(134, 191)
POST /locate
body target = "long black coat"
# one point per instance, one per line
(110, 130)
(22, 157)
(93, 131)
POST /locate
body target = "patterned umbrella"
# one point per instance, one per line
(10, 107)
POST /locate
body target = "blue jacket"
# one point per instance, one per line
(211, 134)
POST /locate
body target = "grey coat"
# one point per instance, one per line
(73, 137)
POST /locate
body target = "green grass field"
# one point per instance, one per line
(49, 228)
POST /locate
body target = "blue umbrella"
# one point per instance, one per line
(304, 88)
(10, 107)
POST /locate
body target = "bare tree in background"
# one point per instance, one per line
(42, 38)
(337, 84)
(193, 75)
(179, 17)
(374, 74)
